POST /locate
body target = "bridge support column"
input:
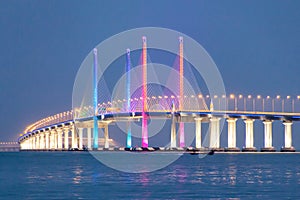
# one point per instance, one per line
(198, 133)
(173, 132)
(33, 142)
(232, 135)
(288, 138)
(249, 136)
(66, 138)
(74, 137)
(214, 140)
(52, 140)
(30, 143)
(181, 135)
(268, 136)
(80, 133)
(42, 141)
(89, 138)
(55, 139)
(47, 140)
(27, 144)
(37, 141)
(106, 137)
(59, 139)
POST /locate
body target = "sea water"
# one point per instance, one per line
(78, 175)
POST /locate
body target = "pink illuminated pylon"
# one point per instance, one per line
(181, 124)
(144, 116)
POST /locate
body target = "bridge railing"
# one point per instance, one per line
(232, 103)
(54, 119)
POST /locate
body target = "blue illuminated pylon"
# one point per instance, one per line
(128, 67)
(95, 99)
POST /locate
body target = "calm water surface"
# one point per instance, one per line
(77, 175)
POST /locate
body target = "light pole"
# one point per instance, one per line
(250, 97)
(232, 96)
(287, 97)
(240, 97)
(224, 97)
(298, 98)
(253, 104)
(219, 102)
(278, 98)
(259, 97)
(293, 105)
(273, 105)
(200, 99)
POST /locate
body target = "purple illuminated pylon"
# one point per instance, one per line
(181, 94)
(144, 95)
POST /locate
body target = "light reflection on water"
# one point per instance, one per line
(79, 176)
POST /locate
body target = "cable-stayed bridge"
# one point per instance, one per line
(182, 106)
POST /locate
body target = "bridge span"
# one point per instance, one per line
(62, 132)
(78, 128)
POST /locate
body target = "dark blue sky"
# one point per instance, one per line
(255, 44)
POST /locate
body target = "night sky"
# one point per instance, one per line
(255, 45)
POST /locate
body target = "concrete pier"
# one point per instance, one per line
(268, 137)
(59, 139)
(47, 134)
(198, 132)
(66, 138)
(74, 144)
(80, 134)
(106, 137)
(232, 135)
(89, 138)
(214, 140)
(249, 142)
(288, 137)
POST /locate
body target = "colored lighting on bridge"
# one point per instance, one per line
(95, 98)
(181, 75)
(144, 75)
(128, 80)
(48, 123)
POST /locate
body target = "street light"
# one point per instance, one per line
(253, 102)
(298, 98)
(259, 97)
(240, 97)
(293, 105)
(277, 97)
(219, 101)
(232, 96)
